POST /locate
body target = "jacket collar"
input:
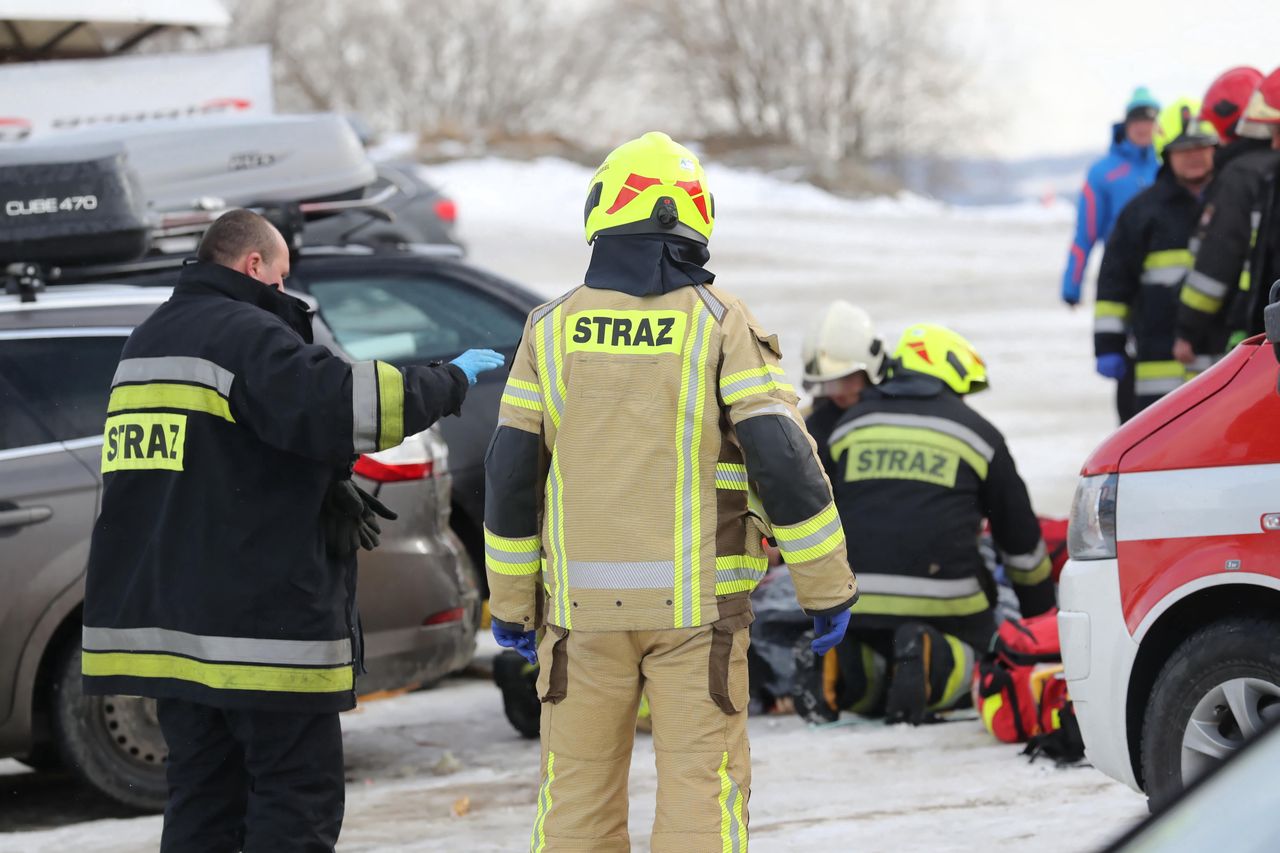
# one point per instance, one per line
(202, 278)
(647, 265)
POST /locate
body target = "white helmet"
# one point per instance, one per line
(841, 343)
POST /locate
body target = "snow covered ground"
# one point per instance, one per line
(991, 273)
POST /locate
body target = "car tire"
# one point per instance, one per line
(1218, 688)
(111, 742)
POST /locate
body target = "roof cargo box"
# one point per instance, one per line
(244, 162)
(72, 204)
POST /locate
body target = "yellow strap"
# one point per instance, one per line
(220, 676)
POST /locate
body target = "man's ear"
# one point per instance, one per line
(253, 264)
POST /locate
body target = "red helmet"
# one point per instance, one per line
(1263, 111)
(1226, 99)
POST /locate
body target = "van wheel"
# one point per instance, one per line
(1217, 690)
(111, 742)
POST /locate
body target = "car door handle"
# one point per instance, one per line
(22, 516)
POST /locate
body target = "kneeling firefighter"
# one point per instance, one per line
(916, 472)
(639, 408)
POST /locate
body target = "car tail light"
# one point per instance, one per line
(412, 460)
(454, 615)
(447, 209)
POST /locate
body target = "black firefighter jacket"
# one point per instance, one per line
(208, 578)
(1225, 237)
(1143, 270)
(917, 471)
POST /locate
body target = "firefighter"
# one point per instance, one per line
(221, 577)
(918, 471)
(1227, 233)
(843, 356)
(640, 409)
(1128, 168)
(1146, 262)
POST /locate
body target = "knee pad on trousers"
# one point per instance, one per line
(931, 672)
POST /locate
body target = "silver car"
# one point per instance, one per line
(418, 598)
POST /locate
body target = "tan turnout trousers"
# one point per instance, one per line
(696, 681)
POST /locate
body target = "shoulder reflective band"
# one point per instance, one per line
(522, 394)
(732, 476)
(168, 395)
(626, 332)
(733, 826)
(139, 441)
(690, 410)
(220, 676)
(739, 573)
(377, 406)
(1029, 569)
(511, 556)
(757, 380)
(714, 305)
(538, 842)
(908, 595)
(811, 539)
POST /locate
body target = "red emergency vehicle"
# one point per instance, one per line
(1170, 604)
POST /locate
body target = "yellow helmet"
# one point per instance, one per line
(1174, 119)
(650, 185)
(943, 354)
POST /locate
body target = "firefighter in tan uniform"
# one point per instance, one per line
(643, 410)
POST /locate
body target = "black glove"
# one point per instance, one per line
(349, 516)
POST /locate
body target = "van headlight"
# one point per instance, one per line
(1091, 534)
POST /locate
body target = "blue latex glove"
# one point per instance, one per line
(473, 362)
(524, 642)
(1112, 365)
(828, 631)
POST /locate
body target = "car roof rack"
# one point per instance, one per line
(117, 196)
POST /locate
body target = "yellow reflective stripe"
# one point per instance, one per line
(790, 533)
(1169, 258)
(813, 552)
(167, 395)
(690, 408)
(539, 840)
(220, 676)
(991, 706)
(390, 405)
(959, 677)
(739, 573)
(1103, 308)
(1197, 301)
(733, 827)
(523, 385)
(623, 332)
(1246, 280)
(914, 435)
(910, 605)
(1030, 577)
(755, 380)
(512, 556)
(731, 476)
(559, 559)
(521, 402)
(1160, 370)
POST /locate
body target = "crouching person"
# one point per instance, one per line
(915, 471)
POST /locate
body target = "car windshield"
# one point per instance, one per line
(402, 318)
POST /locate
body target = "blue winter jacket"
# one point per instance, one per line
(1111, 182)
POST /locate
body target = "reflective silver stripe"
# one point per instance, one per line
(176, 368)
(1210, 287)
(690, 545)
(808, 541)
(740, 573)
(1255, 219)
(552, 380)
(1201, 363)
(731, 475)
(735, 827)
(763, 384)
(514, 557)
(523, 394)
(1164, 276)
(538, 313)
(751, 410)
(714, 305)
(603, 575)
(1157, 387)
(1027, 562)
(237, 649)
(942, 425)
(916, 586)
(1109, 325)
(364, 406)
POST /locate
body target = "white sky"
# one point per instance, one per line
(1056, 73)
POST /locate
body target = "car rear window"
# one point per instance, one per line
(404, 318)
(57, 387)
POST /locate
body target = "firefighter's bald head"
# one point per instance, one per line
(249, 244)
